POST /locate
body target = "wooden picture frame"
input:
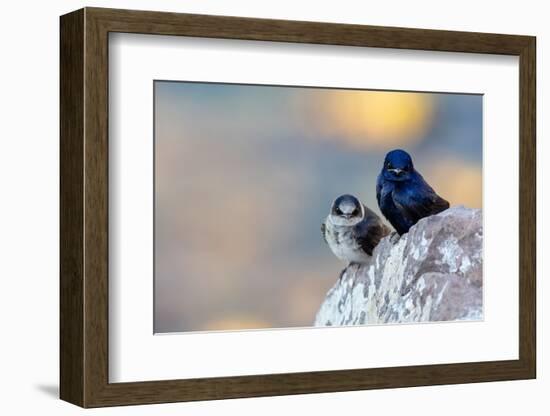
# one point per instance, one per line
(84, 207)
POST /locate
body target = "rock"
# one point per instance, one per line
(432, 273)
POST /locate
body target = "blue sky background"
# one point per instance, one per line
(245, 174)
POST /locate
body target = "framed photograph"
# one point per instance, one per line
(255, 207)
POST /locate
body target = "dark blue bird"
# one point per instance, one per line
(404, 197)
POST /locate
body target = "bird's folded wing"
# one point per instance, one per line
(369, 234)
(420, 202)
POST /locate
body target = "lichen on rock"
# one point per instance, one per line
(432, 273)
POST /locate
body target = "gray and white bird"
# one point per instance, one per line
(352, 230)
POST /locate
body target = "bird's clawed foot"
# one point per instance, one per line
(342, 273)
(394, 237)
(346, 269)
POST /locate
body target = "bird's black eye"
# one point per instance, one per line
(355, 212)
(388, 165)
(338, 211)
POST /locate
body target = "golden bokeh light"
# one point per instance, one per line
(236, 322)
(458, 182)
(372, 119)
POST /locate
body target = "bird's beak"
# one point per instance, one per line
(397, 171)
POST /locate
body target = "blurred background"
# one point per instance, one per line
(244, 176)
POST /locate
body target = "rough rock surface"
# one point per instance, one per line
(433, 273)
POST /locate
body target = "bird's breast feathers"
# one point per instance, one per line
(344, 243)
